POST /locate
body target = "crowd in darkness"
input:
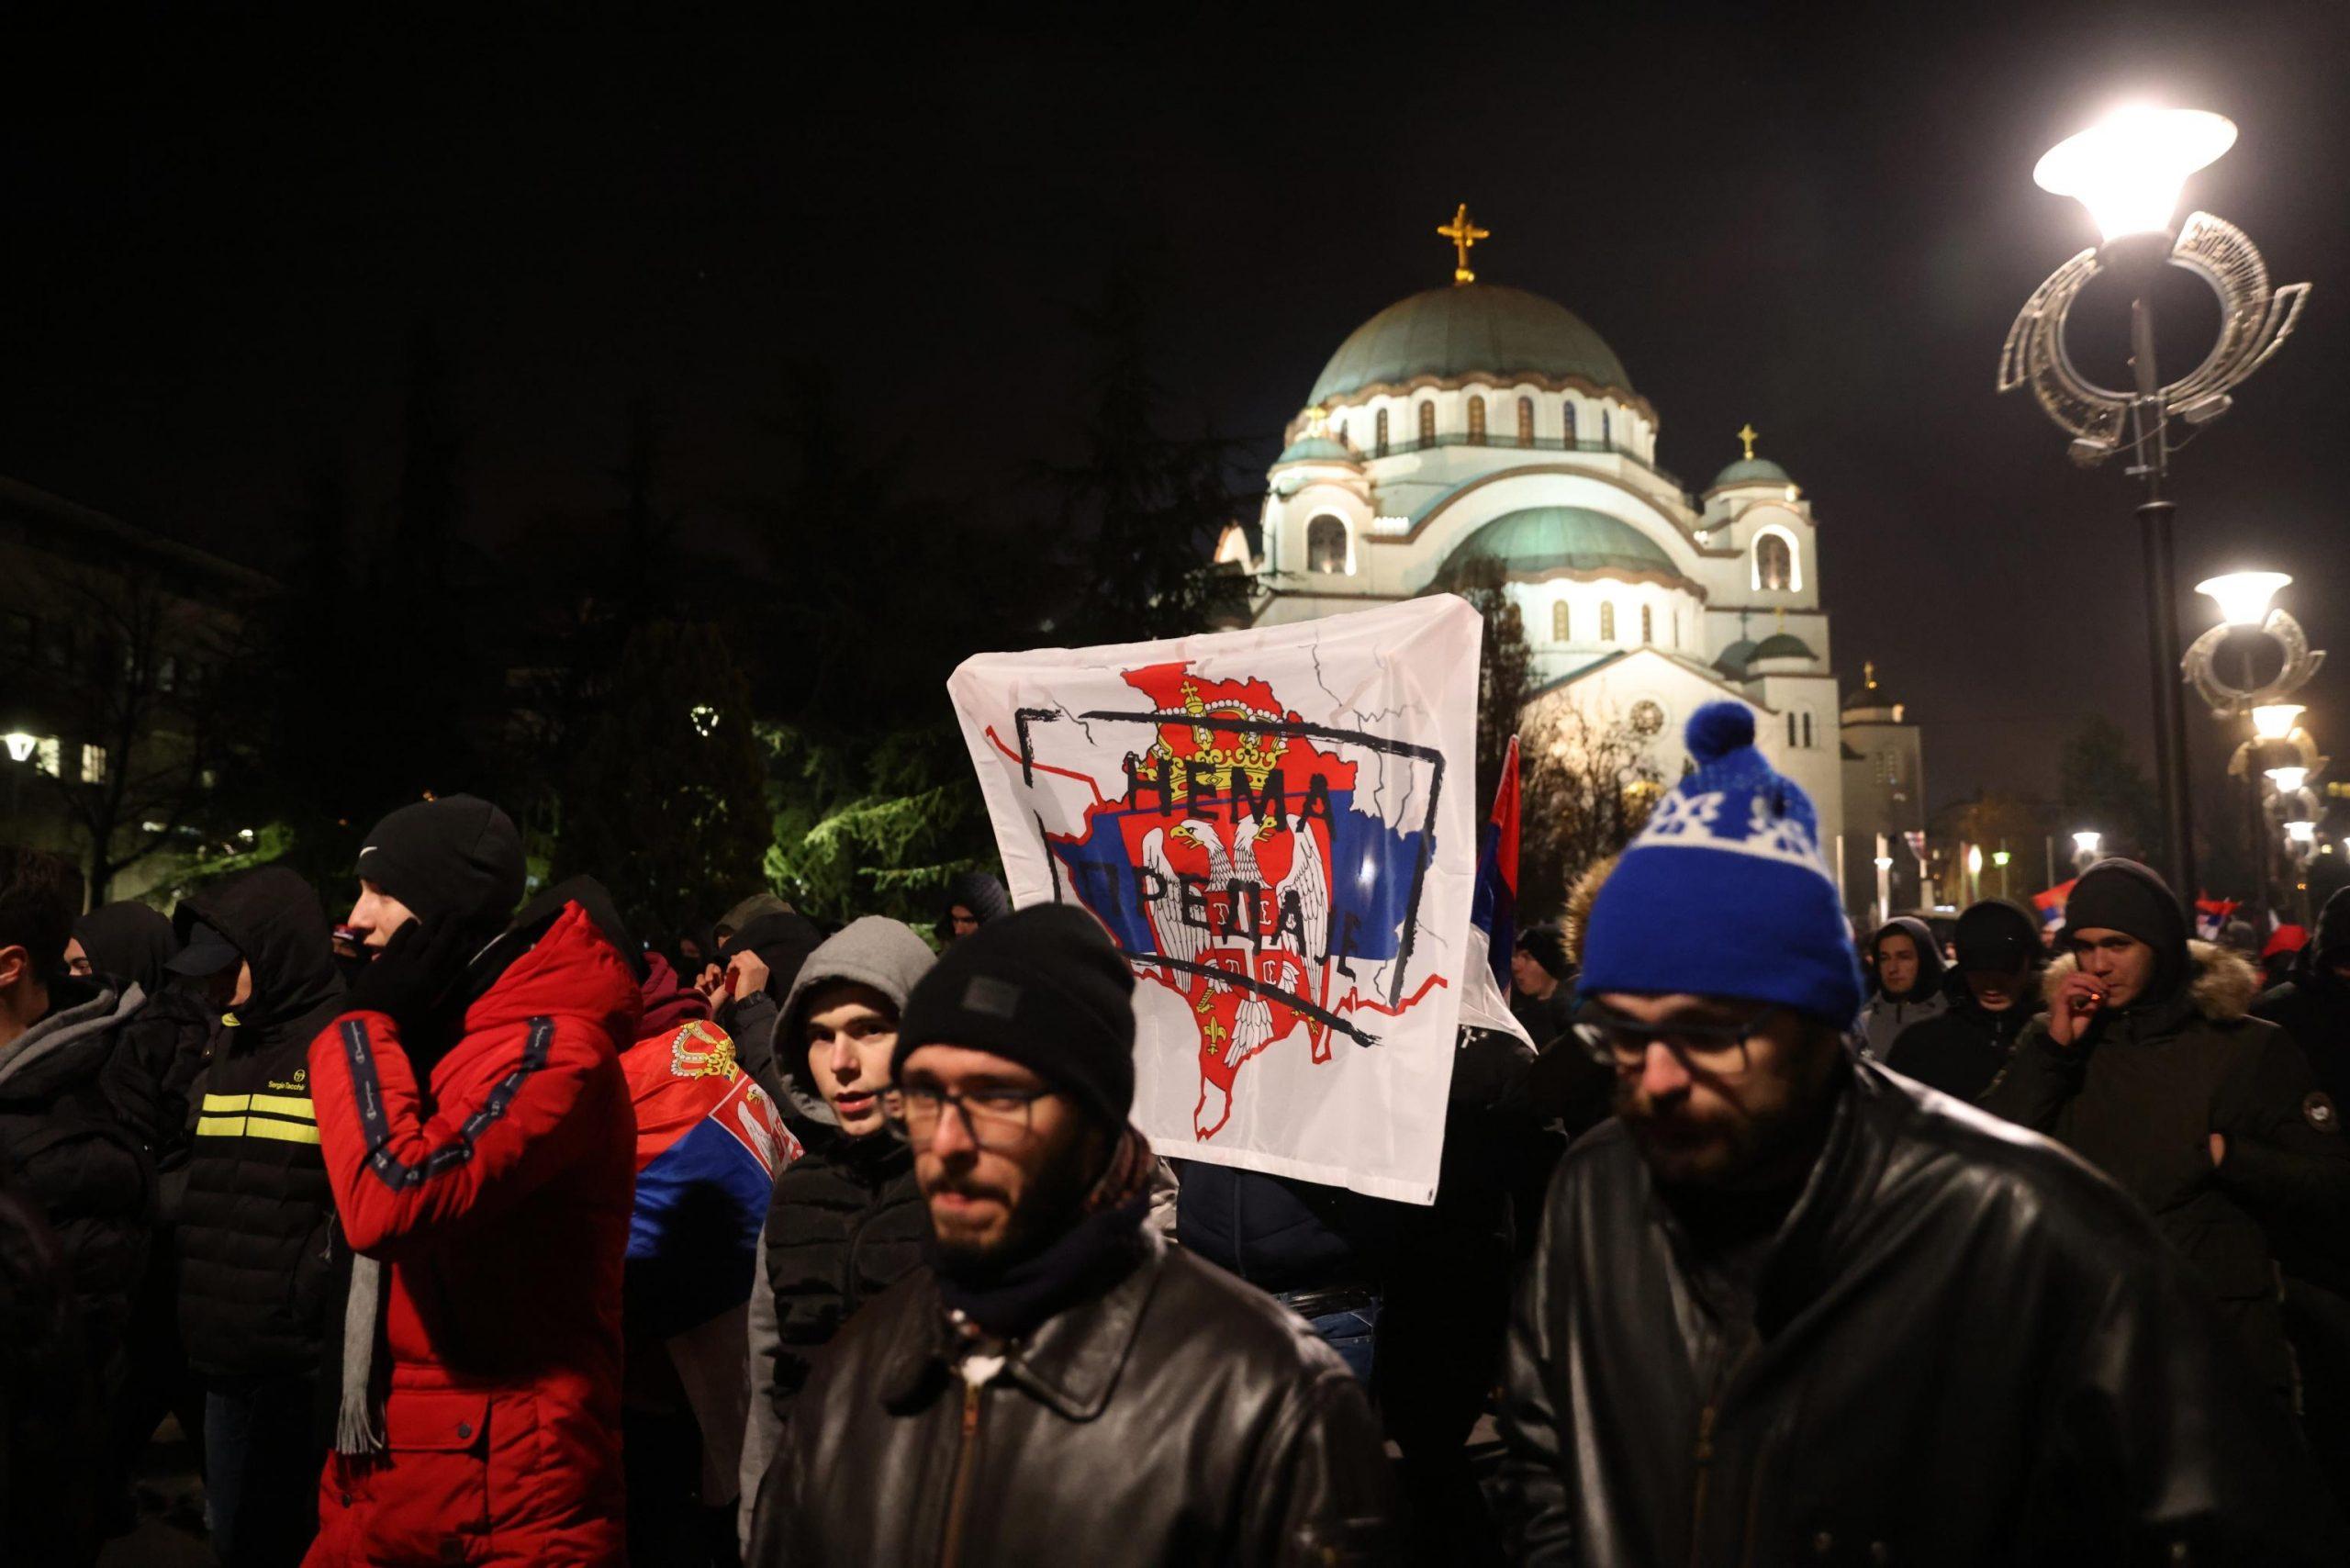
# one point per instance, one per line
(468, 1228)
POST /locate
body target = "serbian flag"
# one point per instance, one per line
(2050, 905)
(1493, 912)
(2212, 916)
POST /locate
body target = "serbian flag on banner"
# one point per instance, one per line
(2050, 905)
(2212, 916)
(1493, 912)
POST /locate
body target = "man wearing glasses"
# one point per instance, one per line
(1057, 1384)
(1788, 1308)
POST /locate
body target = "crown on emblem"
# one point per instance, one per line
(1251, 755)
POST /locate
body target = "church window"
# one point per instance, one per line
(1791, 730)
(1427, 422)
(1607, 621)
(1677, 630)
(1526, 421)
(1568, 408)
(1562, 623)
(1378, 433)
(1648, 717)
(1339, 430)
(1476, 420)
(1774, 564)
(1325, 546)
(1606, 431)
(1647, 623)
(1806, 731)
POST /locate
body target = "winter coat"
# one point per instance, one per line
(846, 1220)
(1962, 1049)
(2138, 1096)
(76, 1161)
(1883, 1017)
(51, 1415)
(1282, 1234)
(1967, 1348)
(498, 1196)
(1179, 1416)
(160, 1051)
(256, 1214)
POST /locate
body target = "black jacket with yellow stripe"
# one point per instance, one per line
(255, 1227)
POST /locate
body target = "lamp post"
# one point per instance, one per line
(2278, 753)
(2085, 848)
(1999, 858)
(2128, 171)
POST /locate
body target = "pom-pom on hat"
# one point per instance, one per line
(1724, 892)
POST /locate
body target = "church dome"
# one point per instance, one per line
(1466, 329)
(1750, 471)
(1735, 658)
(1314, 449)
(1537, 541)
(1781, 645)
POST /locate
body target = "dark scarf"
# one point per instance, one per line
(1083, 1261)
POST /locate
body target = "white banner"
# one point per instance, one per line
(1277, 828)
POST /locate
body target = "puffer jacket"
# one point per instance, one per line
(1177, 1418)
(256, 1214)
(2139, 1099)
(1962, 1049)
(846, 1220)
(1967, 1347)
(498, 1196)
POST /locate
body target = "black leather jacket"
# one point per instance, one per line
(1178, 1417)
(1968, 1348)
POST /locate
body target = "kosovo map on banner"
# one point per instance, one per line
(1278, 829)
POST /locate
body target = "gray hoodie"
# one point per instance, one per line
(888, 956)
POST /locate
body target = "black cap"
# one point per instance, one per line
(1547, 946)
(206, 953)
(1042, 987)
(456, 858)
(1995, 936)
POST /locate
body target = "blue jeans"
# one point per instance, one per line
(262, 1460)
(1348, 1333)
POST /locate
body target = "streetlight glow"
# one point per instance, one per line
(2275, 721)
(2302, 833)
(1975, 860)
(2129, 169)
(2086, 841)
(1999, 858)
(2289, 780)
(2242, 597)
(20, 745)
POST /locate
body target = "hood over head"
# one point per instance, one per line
(669, 1002)
(128, 941)
(1930, 958)
(783, 943)
(885, 954)
(743, 913)
(273, 917)
(980, 893)
(1997, 936)
(2122, 895)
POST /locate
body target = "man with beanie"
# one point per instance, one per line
(1540, 997)
(1909, 969)
(847, 1221)
(973, 899)
(1759, 1325)
(1962, 1049)
(477, 1136)
(2148, 1065)
(1056, 1384)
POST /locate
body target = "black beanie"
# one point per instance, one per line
(1995, 936)
(1042, 987)
(456, 858)
(1547, 946)
(2121, 895)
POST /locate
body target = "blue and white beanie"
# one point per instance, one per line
(1724, 892)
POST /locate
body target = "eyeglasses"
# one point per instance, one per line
(997, 1119)
(1712, 1049)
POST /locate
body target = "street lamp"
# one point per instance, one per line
(2242, 597)
(2129, 172)
(2000, 857)
(20, 745)
(2085, 848)
(2289, 780)
(2275, 721)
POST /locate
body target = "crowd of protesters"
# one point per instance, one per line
(474, 1229)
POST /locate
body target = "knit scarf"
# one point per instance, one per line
(358, 1418)
(1085, 1259)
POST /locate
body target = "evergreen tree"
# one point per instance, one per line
(664, 799)
(2102, 786)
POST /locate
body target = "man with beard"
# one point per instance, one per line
(1057, 1384)
(1759, 1325)
(1963, 1050)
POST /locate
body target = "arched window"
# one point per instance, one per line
(1427, 422)
(1568, 408)
(1339, 430)
(1526, 421)
(1648, 624)
(1326, 544)
(1378, 433)
(1790, 731)
(1607, 621)
(1606, 430)
(1775, 564)
(1561, 623)
(1677, 630)
(1476, 420)
(1806, 731)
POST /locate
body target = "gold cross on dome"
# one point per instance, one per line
(1747, 434)
(1868, 673)
(1463, 234)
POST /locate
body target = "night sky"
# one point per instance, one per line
(1816, 218)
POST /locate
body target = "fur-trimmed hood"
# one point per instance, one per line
(2221, 980)
(1580, 897)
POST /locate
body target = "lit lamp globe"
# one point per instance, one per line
(20, 745)
(2275, 721)
(2085, 842)
(2289, 780)
(1975, 860)
(2301, 831)
(2129, 169)
(2242, 597)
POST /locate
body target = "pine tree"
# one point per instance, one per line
(2102, 786)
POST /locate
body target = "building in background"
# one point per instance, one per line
(1884, 803)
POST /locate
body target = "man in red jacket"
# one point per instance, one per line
(477, 1134)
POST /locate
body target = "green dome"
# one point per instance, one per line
(1750, 471)
(1314, 449)
(1735, 657)
(1464, 329)
(1782, 645)
(1540, 539)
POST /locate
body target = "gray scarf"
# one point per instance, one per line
(359, 1424)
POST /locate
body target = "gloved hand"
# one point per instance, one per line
(414, 971)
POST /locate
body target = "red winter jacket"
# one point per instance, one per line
(498, 1200)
